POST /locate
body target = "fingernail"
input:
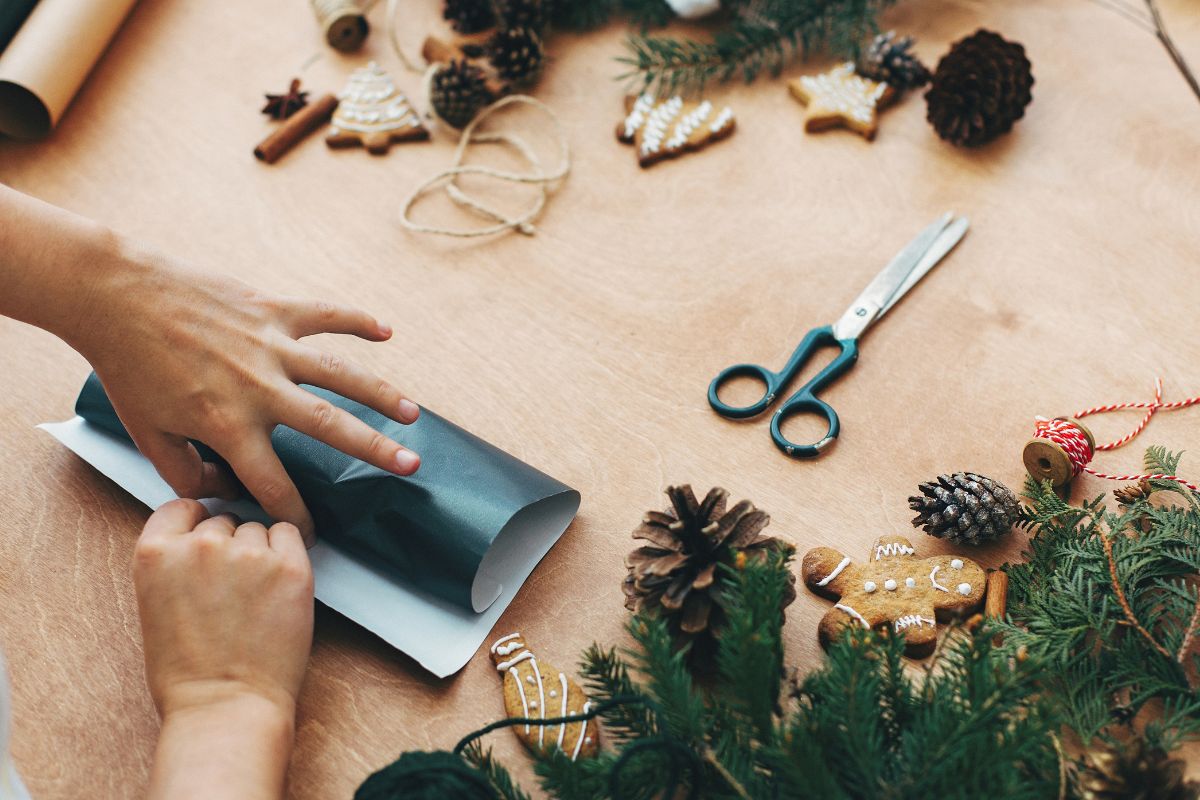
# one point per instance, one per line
(385, 330)
(407, 461)
(409, 411)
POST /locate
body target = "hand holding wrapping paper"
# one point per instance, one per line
(433, 529)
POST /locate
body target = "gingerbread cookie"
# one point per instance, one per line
(893, 589)
(533, 689)
(666, 129)
(372, 113)
(841, 99)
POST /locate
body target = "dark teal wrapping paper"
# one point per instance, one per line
(12, 15)
(431, 529)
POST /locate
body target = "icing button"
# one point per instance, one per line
(956, 563)
(910, 582)
(890, 585)
(964, 588)
(869, 586)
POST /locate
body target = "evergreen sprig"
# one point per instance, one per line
(1109, 603)
(764, 35)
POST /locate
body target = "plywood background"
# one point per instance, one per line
(586, 350)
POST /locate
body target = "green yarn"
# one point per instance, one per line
(427, 776)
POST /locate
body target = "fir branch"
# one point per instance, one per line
(497, 775)
(765, 35)
(585, 15)
(1123, 600)
(606, 676)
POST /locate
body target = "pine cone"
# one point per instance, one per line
(521, 14)
(676, 574)
(980, 88)
(458, 92)
(888, 60)
(1129, 494)
(965, 508)
(469, 16)
(517, 55)
(1134, 771)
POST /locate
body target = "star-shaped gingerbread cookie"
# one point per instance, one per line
(894, 589)
(841, 99)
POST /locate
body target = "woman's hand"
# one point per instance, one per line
(185, 354)
(227, 617)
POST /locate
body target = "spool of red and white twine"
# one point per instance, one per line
(1061, 448)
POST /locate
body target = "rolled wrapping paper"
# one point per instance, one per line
(434, 529)
(45, 64)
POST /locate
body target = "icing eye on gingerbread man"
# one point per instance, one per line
(894, 590)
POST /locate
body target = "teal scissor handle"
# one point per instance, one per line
(804, 401)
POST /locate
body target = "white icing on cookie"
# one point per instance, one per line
(503, 666)
(964, 589)
(542, 705)
(890, 585)
(562, 726)
(852, 613)
(843, 91)
(504, 639)
(910, 620)
(933, 580)
(869, 587)
(582, 732)
(956, 563)
(845, 562)
(893, 549)
(910, 582)
(521, 691)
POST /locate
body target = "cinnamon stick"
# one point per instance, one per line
(295, 128)
(995, 606)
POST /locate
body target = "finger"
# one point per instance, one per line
(253, 534)
(306, 365)
(180, 465)
(286, 539)
(261, 472)
(220, 525)
(325, 422)
(174, 518)
(306, 318)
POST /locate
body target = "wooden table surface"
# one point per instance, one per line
(586, 349)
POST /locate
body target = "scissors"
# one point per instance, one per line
(893, 281)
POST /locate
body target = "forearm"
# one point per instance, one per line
(237, 749)
(52, 263)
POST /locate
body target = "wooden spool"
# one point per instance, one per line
(1046, 461)
(343, 23)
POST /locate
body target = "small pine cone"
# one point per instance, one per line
(458, 92)
(1131, 493)
(469, 16)
(888, 60)
(518, 56)
(980, 88)
(1134, 770)
(965, 508)
(521, 14)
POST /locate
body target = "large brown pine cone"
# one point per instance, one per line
(676, 574)
(980, 88)
(458, 92)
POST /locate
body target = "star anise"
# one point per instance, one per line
(282, 106)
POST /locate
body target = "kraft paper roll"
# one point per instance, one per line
(48, 60)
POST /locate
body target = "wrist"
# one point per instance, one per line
(235, 746)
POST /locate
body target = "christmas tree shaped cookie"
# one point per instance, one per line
(534, 689)
(668, 128)
(371, 112)
(893, 589)
(841, 99)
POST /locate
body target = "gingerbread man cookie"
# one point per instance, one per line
(371, 112)
(533, 689)
(666, 129)
(893, 589)
(841, 99)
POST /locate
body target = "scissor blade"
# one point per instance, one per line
(944, 243)
(868, 305)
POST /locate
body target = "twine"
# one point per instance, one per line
(537, 176)
(1074, 442)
